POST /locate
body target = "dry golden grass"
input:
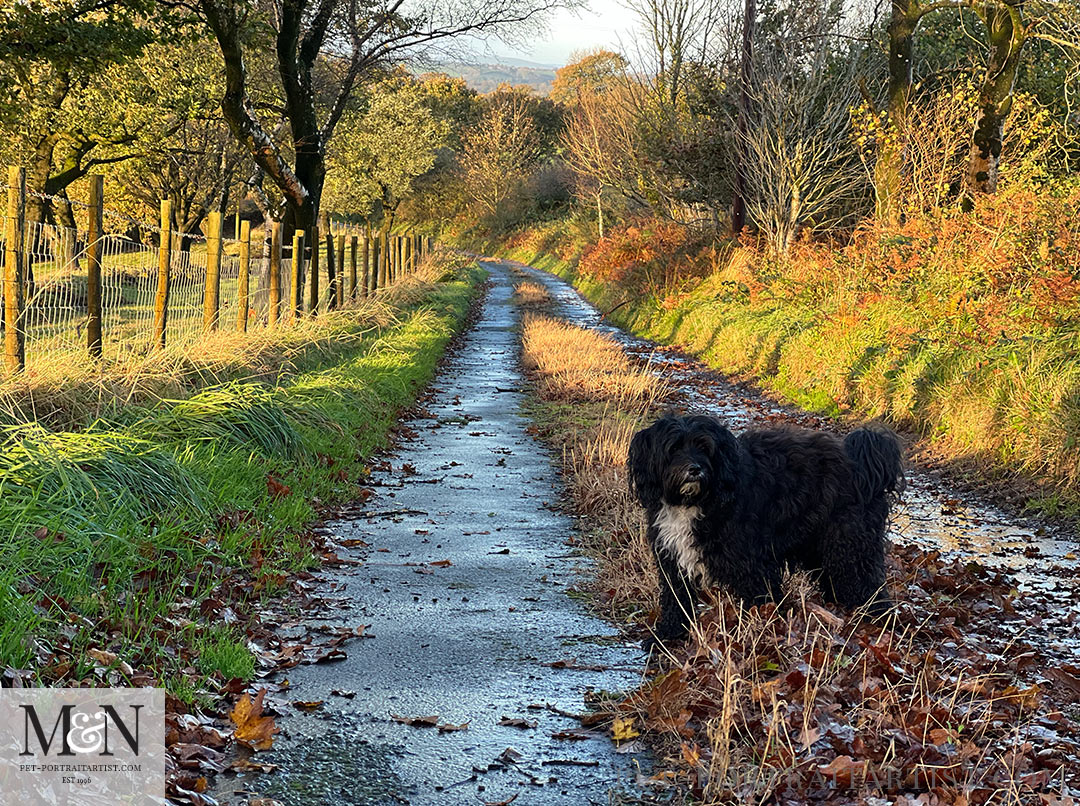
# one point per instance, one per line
(531, 295)
(585, 377)
(67, 390)
(575, 363)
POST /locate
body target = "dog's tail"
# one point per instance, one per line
(879, 468)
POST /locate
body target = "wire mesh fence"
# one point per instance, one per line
(49, 269)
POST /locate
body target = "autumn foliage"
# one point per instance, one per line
(646, 256)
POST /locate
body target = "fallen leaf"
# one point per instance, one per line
(417, 721)
(840, 771)
(104, 657)
(247, 765)
(309, 705)
(446, 727)
(622, 729)
(276, 487)
(516, 722)
(572, 735)
(509, 756)
(691, 754)
(441, 563)
(252, 728)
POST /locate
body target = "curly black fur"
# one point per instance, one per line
(734, 511)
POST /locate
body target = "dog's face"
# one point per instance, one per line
(683, 461)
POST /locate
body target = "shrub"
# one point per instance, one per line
(648, 256)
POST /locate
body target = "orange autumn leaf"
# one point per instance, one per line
(252, 728)
(276, 487)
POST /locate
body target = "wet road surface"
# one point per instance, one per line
(464, 586)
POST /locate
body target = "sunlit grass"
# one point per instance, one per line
(114, 530)
(573, 361)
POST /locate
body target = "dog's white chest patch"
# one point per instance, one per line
(675, 536)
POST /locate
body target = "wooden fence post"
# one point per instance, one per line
(384, 259)
(354, 247)
(212, 289)
(93, 264)
(331, 267)
(313, 270)
(15, 255)
(296, 293)
(409, 256)
(339, 284)
(376, 257)
(395, 259)
(161, 299)
(273, 306)
(243, 280)
(365, 285)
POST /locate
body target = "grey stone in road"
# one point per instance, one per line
(467, 641)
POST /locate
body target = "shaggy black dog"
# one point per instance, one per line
(734, 511)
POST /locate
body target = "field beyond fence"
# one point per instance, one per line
(111, 286)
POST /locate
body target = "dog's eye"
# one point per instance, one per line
(704, 444)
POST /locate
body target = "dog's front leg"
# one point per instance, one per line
(678, 595)
(757, 582)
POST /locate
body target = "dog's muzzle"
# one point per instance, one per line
(692, 479)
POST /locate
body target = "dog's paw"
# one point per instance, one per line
(879, 608)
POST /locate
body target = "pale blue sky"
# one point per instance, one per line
(602, 23)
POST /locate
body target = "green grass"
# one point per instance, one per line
(223, 651)
(113, 536)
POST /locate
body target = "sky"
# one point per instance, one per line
(602, 23)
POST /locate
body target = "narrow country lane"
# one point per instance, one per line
(465, 588)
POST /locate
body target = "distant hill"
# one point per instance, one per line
(486, 77)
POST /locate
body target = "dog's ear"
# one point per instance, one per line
(725, 452)
(642, 467)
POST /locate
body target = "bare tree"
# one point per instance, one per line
(600, 145)
(800, 167)
(499, 151)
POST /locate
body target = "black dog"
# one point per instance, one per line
(734, 511)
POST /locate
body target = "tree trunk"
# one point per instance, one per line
(301, 187)
(1005, 35)
(738, 203)
(890, 161)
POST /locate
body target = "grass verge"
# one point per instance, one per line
(799, 703)
(136, 549)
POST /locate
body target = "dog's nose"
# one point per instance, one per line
(693, 472)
